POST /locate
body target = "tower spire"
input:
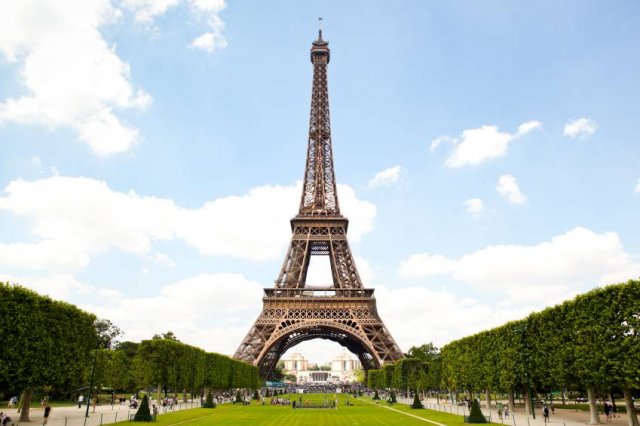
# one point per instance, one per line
(320, 28)
(319, 195)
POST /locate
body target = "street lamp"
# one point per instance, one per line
(93, 370)
(523, 330)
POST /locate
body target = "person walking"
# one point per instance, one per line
(47, 411)
(607, 410)
(80, 400)
(545, 413)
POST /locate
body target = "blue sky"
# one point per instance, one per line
(150, 153)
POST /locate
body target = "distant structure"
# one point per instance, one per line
(342, 369)
(343, 310)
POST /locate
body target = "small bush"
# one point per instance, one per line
(143, 414)
(208, 402)
(475, 415)
(416, 402)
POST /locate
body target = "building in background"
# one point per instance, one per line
(342, 369)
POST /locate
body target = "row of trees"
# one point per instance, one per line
(171, 365)
(51, 346)
(419, 371)
(591, 342)
(44, 343)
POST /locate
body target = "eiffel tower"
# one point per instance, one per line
(293, 312)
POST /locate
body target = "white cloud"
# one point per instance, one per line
(552, 270)
(581, 127)
(145, 11)
(435, 143)
(528, 127)
(211, 311)
(162, 259)
(71, 76)
(426, 265)
(386, 177)
(58, 286)
(637, 190)
(210, 10)
(75, 218)
(508, 188)
(475, 146)
(475, 206)
(415, 315)
(365, 270)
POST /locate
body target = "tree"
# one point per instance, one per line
(359, 376)
(407, 374)
(416, 401)
(475, 414)
(143, 414)
(208, 403)
(107, 333)
(166, 336)
(427, 352)
(278, 372)
(49, 345)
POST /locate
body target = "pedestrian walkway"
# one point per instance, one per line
(104, 414)
(561, 417)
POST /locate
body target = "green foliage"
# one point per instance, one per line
(277, 374)
(427, 352)
(387, 373)
(45, 342)
(171, 364)
(375, 379)
(416, 401)
(143, 414)
(208, 402)
(108, 334)
(407, 373)
(475, 414)
(589, 341)
(166, 336)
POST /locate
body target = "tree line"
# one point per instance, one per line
(50, 346)
(590, 343)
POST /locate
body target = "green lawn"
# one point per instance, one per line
(363, 412)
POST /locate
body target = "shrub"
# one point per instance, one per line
(475, 415)
(416, 401)
(143, 414)
(208, 402)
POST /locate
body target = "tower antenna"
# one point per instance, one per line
(320, 28)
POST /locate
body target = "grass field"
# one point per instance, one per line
(363, 412)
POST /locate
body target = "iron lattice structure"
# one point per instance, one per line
(344, 312)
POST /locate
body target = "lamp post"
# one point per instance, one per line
(93, 370)
(523, 330)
